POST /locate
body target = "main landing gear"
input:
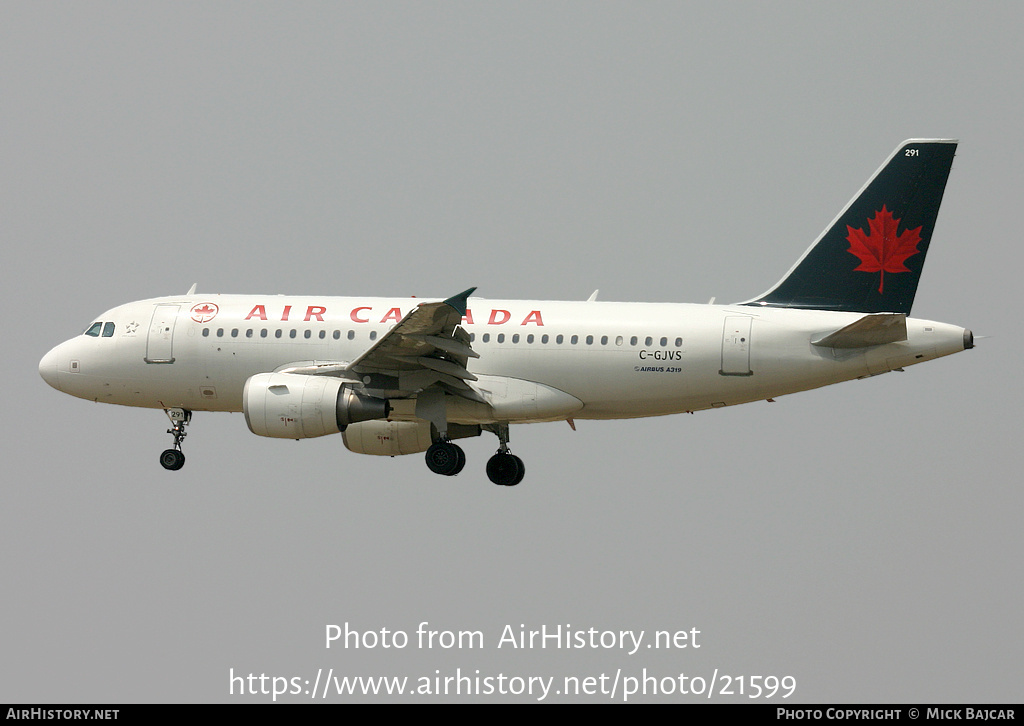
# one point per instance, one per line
(445, 458)
(172, 459)
(504, 468)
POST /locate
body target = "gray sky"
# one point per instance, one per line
(863, 539)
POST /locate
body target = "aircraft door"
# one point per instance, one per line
(736, 347)
(161, 334)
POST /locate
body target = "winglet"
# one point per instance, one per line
(460, 301)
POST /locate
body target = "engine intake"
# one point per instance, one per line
(290, 406)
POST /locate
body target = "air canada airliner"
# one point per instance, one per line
(401, 376)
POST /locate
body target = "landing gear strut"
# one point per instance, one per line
(445, 458)
(172, 459)
(504, 468)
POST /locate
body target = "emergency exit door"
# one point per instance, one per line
(736, 347)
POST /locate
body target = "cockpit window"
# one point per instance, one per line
(94, 330)
(108, 330)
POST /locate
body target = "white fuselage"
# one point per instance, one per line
(618, 360)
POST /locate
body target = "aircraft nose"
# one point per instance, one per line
(48, 369)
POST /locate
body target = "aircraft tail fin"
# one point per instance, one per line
(869, 259)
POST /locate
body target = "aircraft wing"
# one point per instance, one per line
(425, 348)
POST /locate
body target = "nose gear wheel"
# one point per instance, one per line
(172, 459)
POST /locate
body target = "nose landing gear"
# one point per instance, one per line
(172, 459)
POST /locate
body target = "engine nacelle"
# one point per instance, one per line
(394, 438)
(290, 406)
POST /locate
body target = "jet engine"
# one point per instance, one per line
(291, 406)
(394, 438)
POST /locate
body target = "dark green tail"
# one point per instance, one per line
(870, 258)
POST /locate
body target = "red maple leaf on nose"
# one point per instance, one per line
(882, 250)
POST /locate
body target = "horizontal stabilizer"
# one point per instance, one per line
(877, 329)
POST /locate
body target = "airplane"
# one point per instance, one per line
(398, 376)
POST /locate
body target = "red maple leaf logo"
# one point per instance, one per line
(204, 312)
(882, 250)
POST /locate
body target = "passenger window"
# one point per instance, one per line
(604, 340)
(679, 342)
(308, 334)
(515, 338)
(337, 335)
(543, 338)
(487, 337)
(263, 333)
(618, 340)
(248, 333)
(648, 340)
(292, 333)
(234, 332)
(664, 342)
(220, 332)
(632, 341)
(351, 335)
(373, 335)
(559, 338)
(94, 330)
(501, 337)
(323, 334)
(590, 340)
(277, 333)
(206, 332)
(574, 339)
